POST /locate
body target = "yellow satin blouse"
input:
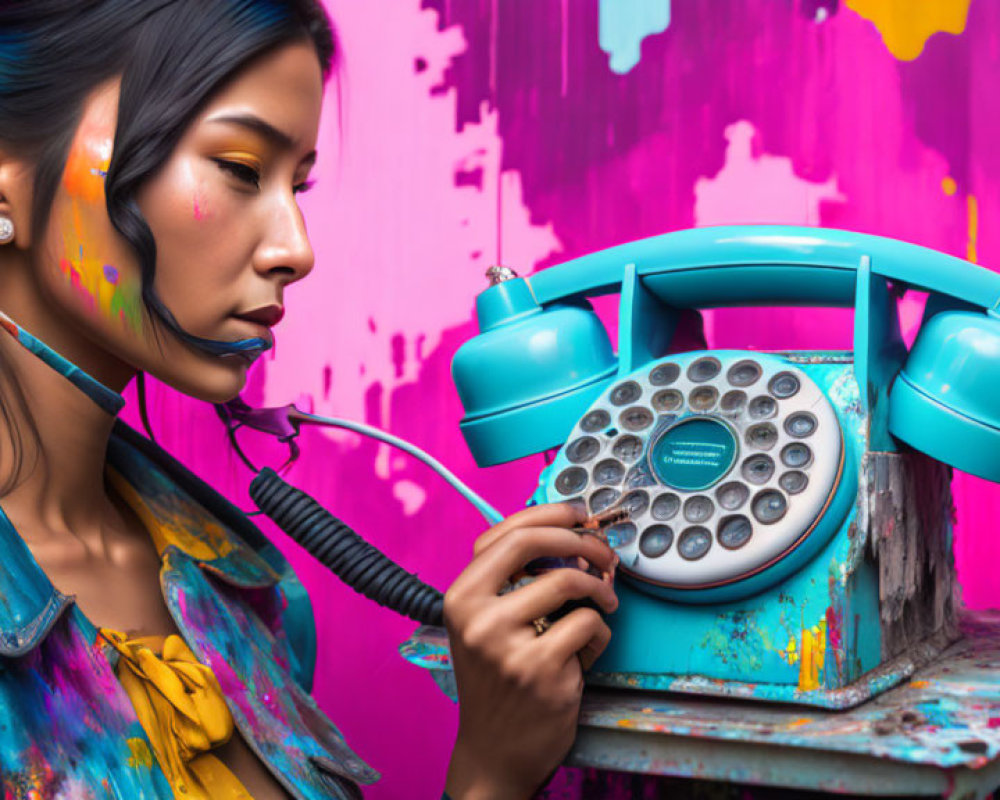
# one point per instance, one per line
(183, 712)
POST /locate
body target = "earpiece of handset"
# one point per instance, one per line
(943, 402)
(530, 373)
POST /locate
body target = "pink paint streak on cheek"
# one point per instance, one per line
(199, 205)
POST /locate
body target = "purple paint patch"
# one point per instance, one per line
(111, 274)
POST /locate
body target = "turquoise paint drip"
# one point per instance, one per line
(623, 24)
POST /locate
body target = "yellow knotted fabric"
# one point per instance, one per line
(183, 712)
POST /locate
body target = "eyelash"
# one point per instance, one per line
(250, 176)
(242, 172)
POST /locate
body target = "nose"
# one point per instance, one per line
(284, 249)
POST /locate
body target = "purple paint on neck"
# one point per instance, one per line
(111, 274)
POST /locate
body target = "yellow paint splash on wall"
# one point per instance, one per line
(972, 208)
(906, 25)
(813, 655)
(949, 186)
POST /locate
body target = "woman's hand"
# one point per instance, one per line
(519, 691)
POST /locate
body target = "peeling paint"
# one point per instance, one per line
(737, 639)
(908, 508)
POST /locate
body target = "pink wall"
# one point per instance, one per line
(475, 130)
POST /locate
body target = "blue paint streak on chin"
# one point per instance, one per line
(250, 349)
(623, 24)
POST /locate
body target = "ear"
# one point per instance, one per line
(17, 178)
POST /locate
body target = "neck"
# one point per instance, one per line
(60, 477)
(58, 474)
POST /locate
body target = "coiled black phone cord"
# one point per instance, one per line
(364, 568)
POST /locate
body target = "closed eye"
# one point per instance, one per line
(305, 186)
(242, 172)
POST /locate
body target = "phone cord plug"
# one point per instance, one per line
(364, 568)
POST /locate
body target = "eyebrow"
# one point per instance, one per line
(265, 129)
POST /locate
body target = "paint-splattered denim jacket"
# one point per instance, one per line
(67, 729)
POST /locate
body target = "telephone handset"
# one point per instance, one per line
(541, 355)
(750, 477)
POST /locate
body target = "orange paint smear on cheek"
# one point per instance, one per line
(87, 234)
(86, 168)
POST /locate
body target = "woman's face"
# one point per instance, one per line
(223, 212)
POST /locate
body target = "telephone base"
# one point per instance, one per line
(935, 734)
(869, 685)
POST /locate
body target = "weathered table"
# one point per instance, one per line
(936, 735)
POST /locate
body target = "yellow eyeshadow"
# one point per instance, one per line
(241, 157)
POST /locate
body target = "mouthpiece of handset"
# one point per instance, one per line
(594, 525)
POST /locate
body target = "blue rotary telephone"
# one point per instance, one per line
(789, 531)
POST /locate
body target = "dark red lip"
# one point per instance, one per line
(268, 316)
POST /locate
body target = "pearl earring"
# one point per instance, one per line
(6, 230)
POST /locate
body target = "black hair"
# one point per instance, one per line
(173, 55)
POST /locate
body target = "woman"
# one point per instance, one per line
(150, 156)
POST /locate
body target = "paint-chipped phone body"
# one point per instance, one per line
(790, 516)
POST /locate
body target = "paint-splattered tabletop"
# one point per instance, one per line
(935, 735)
